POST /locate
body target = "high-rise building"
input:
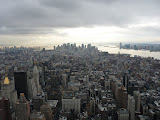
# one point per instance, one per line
(47, 111)
(38, 101)
(122, 97)
(33, 83)
(107, 85)
(92, 106)
(120, 45)
(32, 90)
(21, 83)
(137, 98)
(125, 81)
(36, 78)
(104, 114)
(8, 91)
(69, 104)
(22, 108)
(118, 86)
(89, 46)
(31, 62)
(54, 47)
(43, 75)
(43, 50)
(123, 114)
(4, 109)
(131, 107)
(82, 45)
(64, 80)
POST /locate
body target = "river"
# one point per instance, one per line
(111, 48)
(142, 53)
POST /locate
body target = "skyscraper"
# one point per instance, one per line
(47, 111)
(8, 91)
(131, 107)
(38, 101)
(33, 83)
(92, 106)
(22, 108)
(120, 45)
(122, 97)
(36, 77)
(21, 83)
(137, 98)
(125, 81)
(4, 109)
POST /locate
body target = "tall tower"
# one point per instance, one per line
(36, 77)
(8, 91)
(22, 108)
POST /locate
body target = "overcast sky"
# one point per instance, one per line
(26, 22)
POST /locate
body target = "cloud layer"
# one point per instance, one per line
(45, 16)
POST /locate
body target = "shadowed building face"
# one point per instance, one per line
(21, 83)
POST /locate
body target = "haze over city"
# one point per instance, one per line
(46, 22)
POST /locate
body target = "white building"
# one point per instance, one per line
(33, 82)
(36, 78)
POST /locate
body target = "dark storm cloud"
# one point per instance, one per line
(27, 16)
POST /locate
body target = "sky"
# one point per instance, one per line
(49, 22)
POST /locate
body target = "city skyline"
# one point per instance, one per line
(79, 60)
(71, 82)
(54, 22)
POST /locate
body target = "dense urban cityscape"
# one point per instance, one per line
(79, 60)
(142, 46)
(72, 82)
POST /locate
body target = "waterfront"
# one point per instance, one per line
(142, 53)
(114, 49)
